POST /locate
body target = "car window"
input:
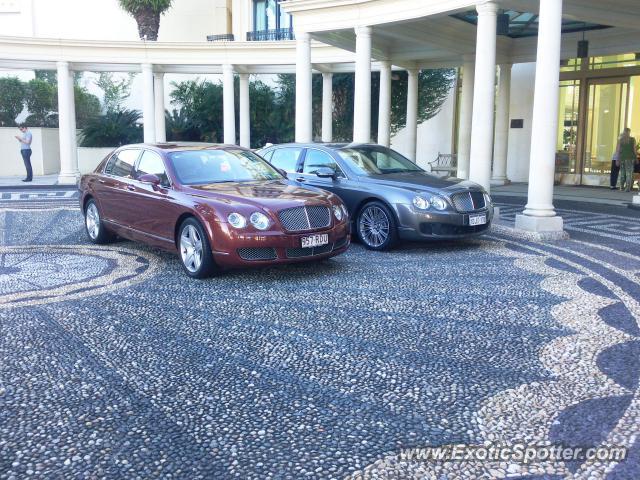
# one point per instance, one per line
(286, 159)
(150, 162)
(123, 164)
(376, 160)
(315, 159)
(267, 155)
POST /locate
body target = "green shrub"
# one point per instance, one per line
(42, 103)
(112, 129)
(12, 93)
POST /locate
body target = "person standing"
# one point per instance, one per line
(615, 170)
(25, 150)
(627, 157)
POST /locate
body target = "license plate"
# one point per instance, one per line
(315, 240)
(477, 220)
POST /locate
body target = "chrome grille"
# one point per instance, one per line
(305, 218)
(256, 254)
(468, 201)
(308, 252)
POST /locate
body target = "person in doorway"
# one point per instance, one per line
(615, 170)
(627, 157)
(25, 150)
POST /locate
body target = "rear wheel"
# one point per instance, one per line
(195, 252)
(94, 226)
(376, 226)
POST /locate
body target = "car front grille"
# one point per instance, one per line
(308, 252)
(468, 201)
(257, 254)
(305, 218)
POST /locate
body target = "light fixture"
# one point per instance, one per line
(502, 27)
(583, 45)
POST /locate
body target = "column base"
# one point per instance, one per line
(496, 182)
(543, 228)
(68, 178)
(635, 202)
(496, 214)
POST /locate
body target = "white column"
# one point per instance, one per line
(362, 91)
(304, 127)
(466, 113)
(245, 112)
(484, 96)
(158, 93)
(412, 114)
(228, 105)
(384, 104)
(69, 173)
(501, 142)
(539, 214)
(148, 104)
(327, 107)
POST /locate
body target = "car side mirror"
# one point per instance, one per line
(151, 179)
(326, 172)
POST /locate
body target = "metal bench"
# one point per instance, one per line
(446, 163)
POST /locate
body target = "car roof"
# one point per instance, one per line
(324, 146)
(185, 146)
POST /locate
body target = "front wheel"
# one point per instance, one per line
(376, 226)
(94, 226)
(195, 251)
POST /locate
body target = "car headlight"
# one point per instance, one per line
(438, 203)
(236, 220)
(337, 212)
(487, 200)
(421, 203)
(344, 210)
(259, 220)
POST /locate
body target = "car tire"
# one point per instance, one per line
(93, 224)
(194, 250)
(376, 226)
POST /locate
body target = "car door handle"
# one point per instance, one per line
(102, 181)
(131, 188)
(301, 179)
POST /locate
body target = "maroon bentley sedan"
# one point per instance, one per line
(217, 205)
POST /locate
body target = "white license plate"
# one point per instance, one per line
(315, 240)
(477, 220)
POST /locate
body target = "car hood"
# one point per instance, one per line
(272, 194)
(421, 181)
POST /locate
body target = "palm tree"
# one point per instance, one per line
(147, 14)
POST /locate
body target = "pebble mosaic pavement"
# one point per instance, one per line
(114, 365)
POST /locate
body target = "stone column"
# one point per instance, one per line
(484, 96)
(327, 107)
(412, 114)
(69, 172)
(304, 126)
(362, 93)
(539, 214)
(245, 112)
(384, 105)
(228, 105)
(501, 142)
(158, 93)
(466, 112)
(148, 104)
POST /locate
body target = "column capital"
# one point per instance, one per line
(146, 67)
(363, 30)
(327, 74)
(302, 36)
(62, 64)
(227, 67)
(158, 75)
(487, 8)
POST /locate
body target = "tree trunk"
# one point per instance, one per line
(148, 24)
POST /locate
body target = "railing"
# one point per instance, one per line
(268, 35)
(225, 37)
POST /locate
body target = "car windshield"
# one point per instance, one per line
(375, 160)
(199, 167)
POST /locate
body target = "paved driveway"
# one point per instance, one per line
(114, 364)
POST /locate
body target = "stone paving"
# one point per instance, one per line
(113, 364)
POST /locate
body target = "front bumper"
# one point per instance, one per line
(432, 225)
(239, 249)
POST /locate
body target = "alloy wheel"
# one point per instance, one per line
(374, 226)
(92, 220)
(191, 250)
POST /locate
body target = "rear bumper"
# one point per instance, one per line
(417, 226)
(273, 248)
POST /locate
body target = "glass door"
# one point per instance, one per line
(606, 118)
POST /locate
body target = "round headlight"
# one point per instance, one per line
(259, 220)
(236, 220)
(438, 203)
(337, 212)
(344, 210)
(420, 203)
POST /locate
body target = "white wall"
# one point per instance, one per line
(45, 158)
(522, 87)
(434, 136)
(187, 20)
(89, 158)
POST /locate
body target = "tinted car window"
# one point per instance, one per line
(315, 159)
(151, 162)
(286, 159)
(123, 164)
(199, 167)
(267, 156)
(375, 160)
